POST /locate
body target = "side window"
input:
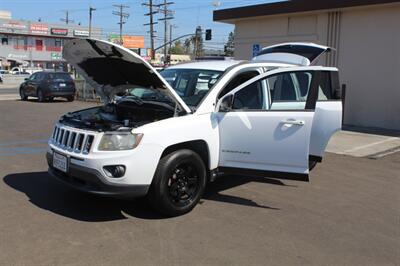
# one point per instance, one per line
(39, 76)
(238, 80)
(289, 90)
(33, 77)
(250, 98)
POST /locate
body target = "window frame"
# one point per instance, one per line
(312, 97)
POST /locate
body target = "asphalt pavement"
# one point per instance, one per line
(348, 214)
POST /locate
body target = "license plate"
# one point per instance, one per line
(63, 84)
(60, 162)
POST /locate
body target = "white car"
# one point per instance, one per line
(272, 116)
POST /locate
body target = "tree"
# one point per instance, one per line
(188, 45)
(230, 45)
(177, 48)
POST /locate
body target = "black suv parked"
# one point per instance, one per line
(47, 85)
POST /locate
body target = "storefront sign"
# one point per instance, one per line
(17, 56)
(81, 33)
(37, 28)
(133, 42)
(59, 32)
(56, 56)
(114, 38)
(14, 25)
(128, 41)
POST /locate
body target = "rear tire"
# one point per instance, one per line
(311, 165)
(40, 96)
(22, 95)
(70, 98)
(178, 183)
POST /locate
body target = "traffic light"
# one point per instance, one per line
(208, 34)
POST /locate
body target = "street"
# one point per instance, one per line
(347, 214)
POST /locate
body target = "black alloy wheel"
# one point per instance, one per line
(178, 183)
(183, 184)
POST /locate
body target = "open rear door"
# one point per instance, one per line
(303, 54)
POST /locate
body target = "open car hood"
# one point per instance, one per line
(111, 68)
(298, 53)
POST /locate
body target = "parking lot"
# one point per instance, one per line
(348, 214)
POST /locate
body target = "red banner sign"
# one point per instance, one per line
(59, 32)
(37, 28)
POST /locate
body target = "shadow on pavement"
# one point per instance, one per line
(49, 194)
(213, 190)
(35, 100)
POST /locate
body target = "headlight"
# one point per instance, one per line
(119, 141)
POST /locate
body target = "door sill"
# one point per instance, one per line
(263, 173)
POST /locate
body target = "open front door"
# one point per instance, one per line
(265, 124)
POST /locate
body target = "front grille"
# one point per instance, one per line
(71, 140)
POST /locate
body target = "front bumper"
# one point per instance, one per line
(92, 181)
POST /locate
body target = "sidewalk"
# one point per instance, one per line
(360, 144)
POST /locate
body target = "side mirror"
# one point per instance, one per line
(26, 79)
(225, 104)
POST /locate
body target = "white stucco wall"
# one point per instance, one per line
(369, 60)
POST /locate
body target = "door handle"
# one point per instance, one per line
(294, 122)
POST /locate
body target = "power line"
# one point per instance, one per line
(66, 19)
(122, 15)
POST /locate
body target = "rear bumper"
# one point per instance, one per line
(92, 181)
(50, 93)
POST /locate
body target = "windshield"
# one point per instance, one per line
(191, 84)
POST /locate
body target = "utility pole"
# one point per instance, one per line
(66, 19)
(91, 9)
(198, 44)
(122, 15)
(171, 26)
(167, 16)
(151, 13)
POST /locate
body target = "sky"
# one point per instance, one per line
(187, 15)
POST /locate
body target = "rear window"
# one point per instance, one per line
(60, 76)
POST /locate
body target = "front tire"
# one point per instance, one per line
(40, 96)
(22, 94)
(178, 183)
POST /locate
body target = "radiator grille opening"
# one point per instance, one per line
(60, 137)
(72, 140)
(88, 144)
(79, 143)
(65, 140)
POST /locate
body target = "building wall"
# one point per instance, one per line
(268, 31)
(368, 57)
(369, 60)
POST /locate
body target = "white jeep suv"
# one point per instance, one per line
(165, 135)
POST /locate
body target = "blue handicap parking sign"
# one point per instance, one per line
(256, 49)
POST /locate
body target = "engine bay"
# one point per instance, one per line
(125, 113)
